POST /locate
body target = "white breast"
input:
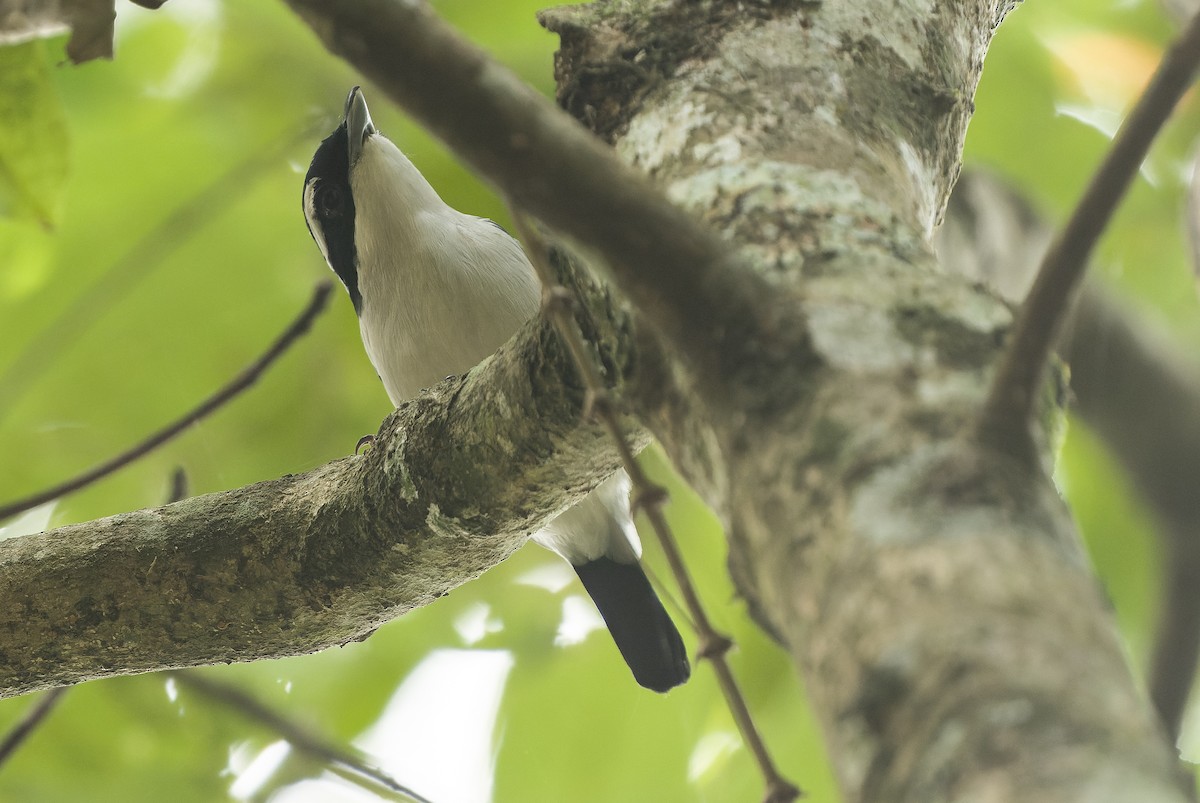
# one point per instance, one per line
(441, 290)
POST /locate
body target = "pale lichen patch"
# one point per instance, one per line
(442, 525)
(661, 133)
(858, 338)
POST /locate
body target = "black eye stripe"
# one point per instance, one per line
(329, 207)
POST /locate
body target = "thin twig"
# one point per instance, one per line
(299, 737)
(42, 352)
(239, 383)
(650, 498)
(33, 717)
(1006, 416)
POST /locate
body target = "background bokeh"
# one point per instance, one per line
(152, 244)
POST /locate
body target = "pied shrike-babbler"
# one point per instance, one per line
(436, 291)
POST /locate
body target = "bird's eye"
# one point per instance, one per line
(330, 200)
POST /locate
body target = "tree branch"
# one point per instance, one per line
(1005, 421)
(34, 717)
(216, 401)
(456, 481)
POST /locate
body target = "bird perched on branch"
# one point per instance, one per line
(436, 291)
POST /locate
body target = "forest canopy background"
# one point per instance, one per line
(199, 88)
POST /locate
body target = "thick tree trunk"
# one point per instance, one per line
(933, 594)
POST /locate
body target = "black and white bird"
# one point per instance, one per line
(436, 291)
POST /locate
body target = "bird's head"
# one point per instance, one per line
(362, 197)
(328, 197)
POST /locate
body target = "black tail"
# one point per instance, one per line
(643, 631)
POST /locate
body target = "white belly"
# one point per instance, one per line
(426, 316)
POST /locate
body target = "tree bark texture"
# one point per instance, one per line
(455, 481)
(933, 594)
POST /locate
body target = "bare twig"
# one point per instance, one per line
(649, 498)
(242, 381)
(1005, 420)
(299, 737)
(35, 716)
(42, 352)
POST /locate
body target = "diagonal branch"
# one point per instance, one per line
(34, 717)
(457, 480)
(356, 766)
(1005, 419)
(216, 401)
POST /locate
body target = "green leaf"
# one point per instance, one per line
(25, 251)
(33, 136)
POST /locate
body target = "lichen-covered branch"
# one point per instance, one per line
(456, 480)
(931, 590)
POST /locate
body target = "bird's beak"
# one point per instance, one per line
(358, 123)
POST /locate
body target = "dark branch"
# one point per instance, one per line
(296, 735)
(35, 716)
(241, 382)
(146, 254)
(1007, 414)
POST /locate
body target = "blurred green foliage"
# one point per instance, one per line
(201, 88)
(33, 148)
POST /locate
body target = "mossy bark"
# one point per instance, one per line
(933, 594)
